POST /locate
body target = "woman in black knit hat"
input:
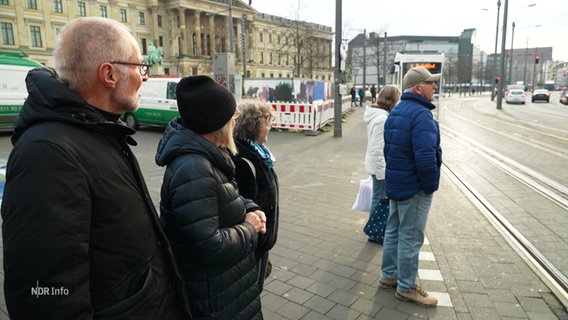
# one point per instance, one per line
(213, 230)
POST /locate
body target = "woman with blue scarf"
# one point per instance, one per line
(255, 175)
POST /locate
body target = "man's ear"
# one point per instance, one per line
(108, 74)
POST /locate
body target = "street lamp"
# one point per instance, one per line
(502, 58)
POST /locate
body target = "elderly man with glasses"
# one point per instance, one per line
(82, 238)
(413, 159)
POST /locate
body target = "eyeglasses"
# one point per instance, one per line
(142, 67)
(429, 83)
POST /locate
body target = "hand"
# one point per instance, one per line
(258, 221)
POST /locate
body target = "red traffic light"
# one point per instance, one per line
(536, 58)
(497, 79)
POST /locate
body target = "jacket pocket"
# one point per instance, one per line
(131, 298)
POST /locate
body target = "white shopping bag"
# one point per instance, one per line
(363, 199)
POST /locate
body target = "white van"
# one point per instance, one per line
(14, 67)
(158, 104)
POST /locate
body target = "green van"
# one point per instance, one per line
(14, 67)
(158, 104)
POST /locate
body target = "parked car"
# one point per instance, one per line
(541, 94)
(564, 97)
(515, 96)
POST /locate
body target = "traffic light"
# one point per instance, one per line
(496, 79)
(536, 58)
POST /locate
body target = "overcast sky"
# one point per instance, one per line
(538, 23)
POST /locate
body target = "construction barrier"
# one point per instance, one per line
(308, 117)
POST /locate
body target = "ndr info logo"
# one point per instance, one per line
(49, 291)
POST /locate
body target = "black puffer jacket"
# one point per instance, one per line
(204, 218)
(261, 186)
(82, 238)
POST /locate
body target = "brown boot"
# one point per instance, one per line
(418, 296)
(388, 283)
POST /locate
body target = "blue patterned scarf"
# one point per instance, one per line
(262, 152)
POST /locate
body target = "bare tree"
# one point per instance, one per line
(307, 51)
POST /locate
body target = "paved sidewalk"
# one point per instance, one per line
(324, 267)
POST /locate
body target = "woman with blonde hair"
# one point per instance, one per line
(214, 231)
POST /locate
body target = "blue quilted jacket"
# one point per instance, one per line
(412, 148)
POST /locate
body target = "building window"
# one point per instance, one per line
(261, 57)
(272, 75)
(161, 41)
(103, 11)
(81, 9)
(278, 39)
(270, 58)
(144, 46)
(7, 33)
(31, 4)
(123, 17)
(35, 36)
(57, 6)
(260, 37)
(141, 19)
(160, 24)
(5, 2)
(269, 38)
(58, 33)
(193, 44)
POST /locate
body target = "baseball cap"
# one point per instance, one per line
(419, 74)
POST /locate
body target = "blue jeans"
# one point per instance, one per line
(379, 192)
(404, 237)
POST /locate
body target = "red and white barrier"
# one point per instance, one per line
(306, 116)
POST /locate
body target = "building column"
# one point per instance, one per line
(197, 18)
(212, 34)
(183, 32)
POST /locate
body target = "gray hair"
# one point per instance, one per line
(87, 42)
(253, 115)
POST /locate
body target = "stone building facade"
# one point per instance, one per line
(189, 31)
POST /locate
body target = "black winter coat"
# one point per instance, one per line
(81, 235)
(204, 217)
(261, 186)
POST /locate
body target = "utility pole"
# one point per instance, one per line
(337, 107)
(503, 40)
(495, 55)
(364, 63)
(511, 58)
(385, 62)
(231, 43)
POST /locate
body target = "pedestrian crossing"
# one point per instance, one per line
(432, 275)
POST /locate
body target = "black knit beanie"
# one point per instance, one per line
(204, 105)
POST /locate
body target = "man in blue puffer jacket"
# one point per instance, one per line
(413, 158)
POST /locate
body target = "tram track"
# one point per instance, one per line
(547, 139)
(538, 186)
(554, 279)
